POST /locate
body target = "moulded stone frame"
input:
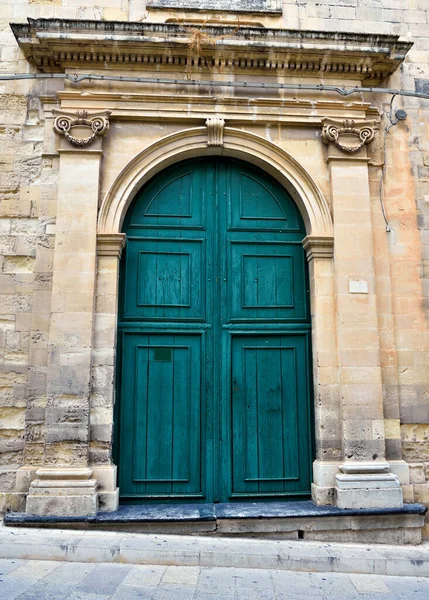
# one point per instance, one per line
(237, 143)
(254, 149)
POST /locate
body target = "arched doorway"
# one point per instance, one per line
(214, 377)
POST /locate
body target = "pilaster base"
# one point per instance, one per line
(322, 496)
(323, 488)
(108, 492)
(63, 492)
(367, 485)
(108, 501)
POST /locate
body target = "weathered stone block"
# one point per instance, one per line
(421, 493)
(108, 501)
(323, 496)
(7, 479)
(369, 498)
(417, 473)
(408, 493)
(68, 453)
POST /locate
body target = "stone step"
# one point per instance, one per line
(209, 551)
(274, 520)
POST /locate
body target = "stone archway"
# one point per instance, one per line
(236, 143)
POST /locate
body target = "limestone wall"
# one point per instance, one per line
(28, 188)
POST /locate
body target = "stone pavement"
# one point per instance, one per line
(55, 580)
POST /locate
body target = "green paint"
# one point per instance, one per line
(214, 380)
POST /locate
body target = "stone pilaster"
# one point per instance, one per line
(109, 249)
(65, 484)
(365, 480)
(327, 404)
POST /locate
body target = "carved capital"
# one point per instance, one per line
(348, 135)
(110, 244)
(318, 247)
(81, 128)
(215, 129)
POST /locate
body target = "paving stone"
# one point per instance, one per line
(7, 565)
(369, 583)
(35, 569)
(11, 588)
(182, 575)
(87, 596)
(104, 579)
(145, 575)
(334, 584)
(58, 581)
(206, 596)
(412, 594)
(175, 592)
(70, 573)
(295, 583)
(407, 585)
(43, 590)
(131, 592)
(254, 594)
(295, 596)
(255, 579)
(217, 581)
(372, 596)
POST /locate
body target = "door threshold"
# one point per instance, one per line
(183, 513)
(273, 520)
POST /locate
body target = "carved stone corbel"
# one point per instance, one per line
(215, 129)
(348, 135)
(81, 128)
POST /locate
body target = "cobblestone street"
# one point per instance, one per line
(52, 580)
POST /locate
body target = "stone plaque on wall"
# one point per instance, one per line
(259, 6)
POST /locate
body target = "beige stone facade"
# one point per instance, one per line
(74, 154)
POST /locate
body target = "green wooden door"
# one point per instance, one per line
(214, 378)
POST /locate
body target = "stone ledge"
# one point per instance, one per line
(210, 512)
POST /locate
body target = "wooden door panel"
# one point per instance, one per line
(165, 279)
(269, 415)
(267, 282)
(257, 202)
(171, 200)
(161, 429)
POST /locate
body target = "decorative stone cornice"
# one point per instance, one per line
(318, 247)
(81, 128)
(110, 244)
(252, 6)
(215, 129)
(348, 135)
(55, 45)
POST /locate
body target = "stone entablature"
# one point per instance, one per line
(140, 105)
(55, 45)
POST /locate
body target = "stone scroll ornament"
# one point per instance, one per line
(347, 135)
(215, 129)
(81, 128)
